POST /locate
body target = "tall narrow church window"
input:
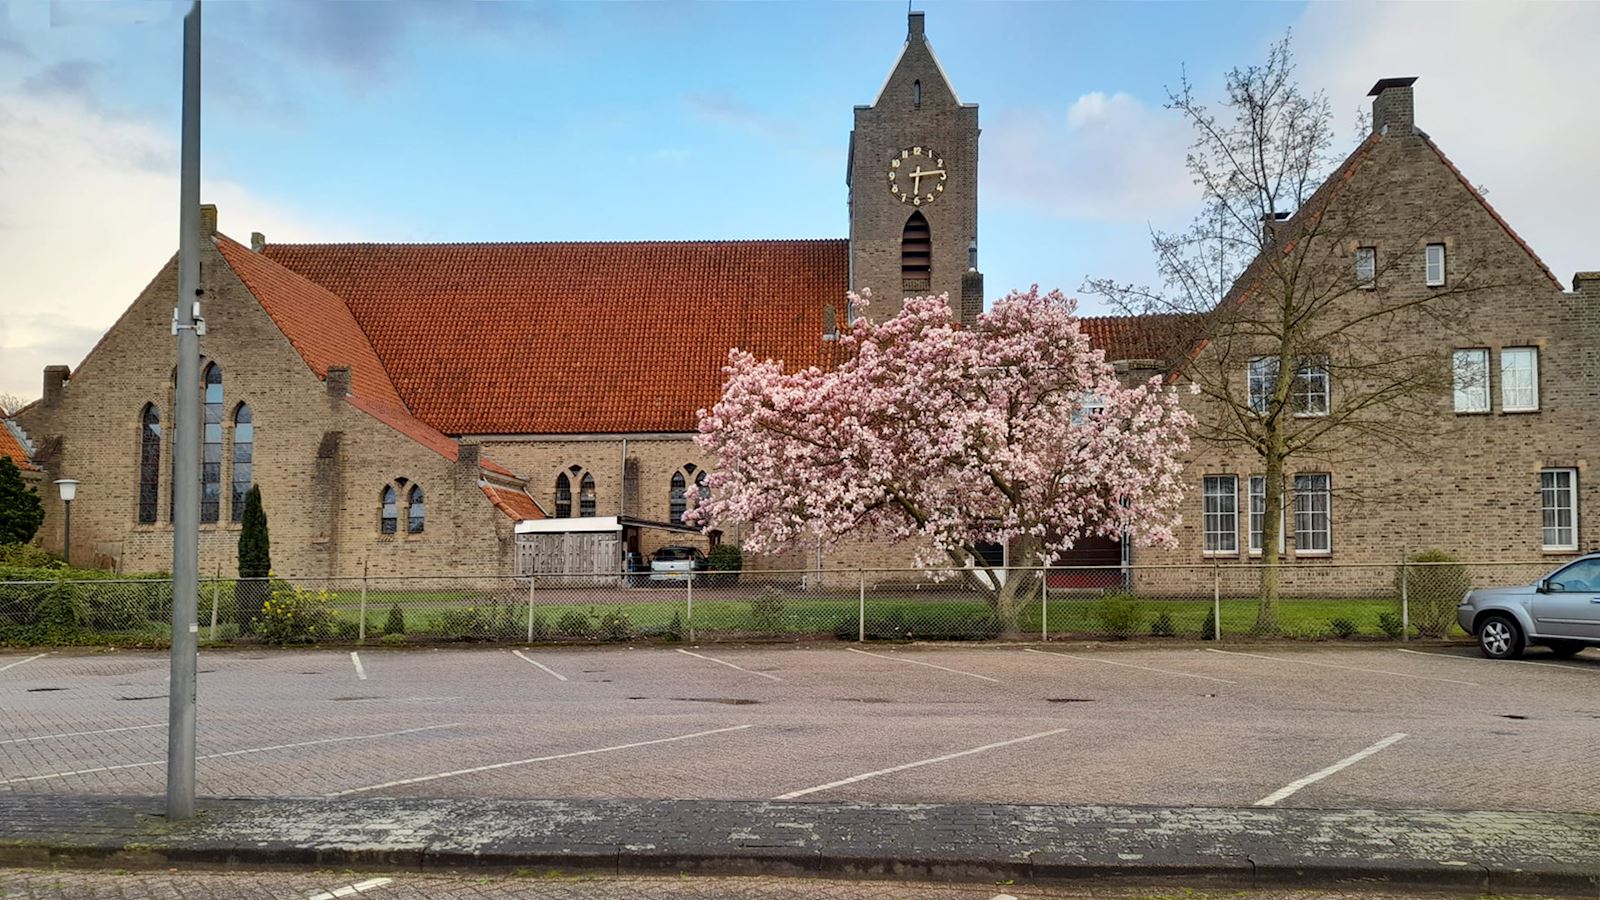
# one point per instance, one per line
(149, 463)
(679, 498)
(916, 253)
(211, 449)
(389, 513)
(916, 94)
(244, 454)
(586, 495)
(563, 496)
(416, 511)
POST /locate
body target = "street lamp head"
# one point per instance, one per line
(68, 487)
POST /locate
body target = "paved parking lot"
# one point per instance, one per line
(1320, 726)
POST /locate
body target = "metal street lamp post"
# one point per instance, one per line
(69, 490)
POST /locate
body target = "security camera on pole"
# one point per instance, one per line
(187, 326)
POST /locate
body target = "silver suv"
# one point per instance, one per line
(1560, 611)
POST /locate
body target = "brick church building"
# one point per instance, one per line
(416, 409)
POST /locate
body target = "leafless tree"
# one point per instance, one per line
(10, 403)
(1273, 277)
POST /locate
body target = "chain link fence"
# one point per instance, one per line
(1195, 602)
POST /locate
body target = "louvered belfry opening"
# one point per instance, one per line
(916, 254)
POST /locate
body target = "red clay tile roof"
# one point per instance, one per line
(320, 327)
(11, 446)
(553, 338)
(1131, 337)
(516, 504)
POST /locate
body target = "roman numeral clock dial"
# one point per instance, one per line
(917, 176)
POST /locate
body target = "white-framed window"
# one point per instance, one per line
(1313, 514)
(1470, 369)
(1558, 509)
(1367, 267)
(1220, 499)
(1519, 379)
(1089, 405)
(1433, 264)
(1309, 393)
(1258, 514)
(1263, 379)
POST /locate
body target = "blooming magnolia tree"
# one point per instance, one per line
(1014, 431)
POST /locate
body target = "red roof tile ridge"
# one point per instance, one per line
(689, 242)
(516, 503)
(13, 444)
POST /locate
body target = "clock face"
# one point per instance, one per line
(917, 176)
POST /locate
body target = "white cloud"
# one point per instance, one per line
(88, 214)
(1107, 157)
(1504, 89)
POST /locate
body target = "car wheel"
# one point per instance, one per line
(1565, 649)
(1499, 637)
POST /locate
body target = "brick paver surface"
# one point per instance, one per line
(1165, 725)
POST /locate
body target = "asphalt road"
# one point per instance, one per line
(1323, 726)
(37, 885)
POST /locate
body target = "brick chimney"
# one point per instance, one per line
(338, 382)
(1586, 283)
(258, 241)
(467, 456)
(914, 30)
(55, 383)
(1392, 104)
(208, 219)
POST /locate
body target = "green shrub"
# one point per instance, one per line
(767, 609)
(346, 630)
(465, 623)
(616, 626)
(574, 624)
(675, 629)
(1432, 591)
(727, 560)
(393, 640)
(1162, 626)
(21, 510)
(1119, 616)
(1208, 628)
(396, 622)
(540, 629)
(899, 623)
(1305, 631)
(1343, 629)
(1390, 624)
(294, 615)
(28, 556)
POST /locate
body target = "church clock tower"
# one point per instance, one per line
(913, 179)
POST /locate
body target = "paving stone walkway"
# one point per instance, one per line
(1485, 851)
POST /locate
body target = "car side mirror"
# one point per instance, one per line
(1544, 586)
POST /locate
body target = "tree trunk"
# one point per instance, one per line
(1271, 533)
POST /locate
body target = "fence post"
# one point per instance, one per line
(215, 583)
(1405, 600)
(361, 629)
(861, 611)
(1216, 601)
(532, 580)
(1044, 604)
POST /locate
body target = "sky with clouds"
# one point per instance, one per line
(431, 120)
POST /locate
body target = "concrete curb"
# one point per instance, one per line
(1483, 852)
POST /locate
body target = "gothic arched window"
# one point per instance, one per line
(916, 253)
(244, 454)
(678, 502)
(916, 94)
(565, 481)
(416, 510)
(389, 510)
(211, 447)
(586, 495)
(149, 463)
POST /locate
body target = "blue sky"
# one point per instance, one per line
(433, 121)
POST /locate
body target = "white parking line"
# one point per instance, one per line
(912, 765)
(67, 734)
(21, 661)
(1307, 662)
(162, 762)
(1126, 665)
(360, 672)
(536, 759)
(351, 889)
(723, 662)
(1283, 792)
(930, 665)
(1526, 662)
(529, 659)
